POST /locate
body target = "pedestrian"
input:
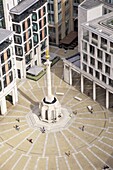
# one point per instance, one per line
(67, 153)
(17, 127)
(30, 140)
(43, 130)
(18, 120)
(82, 128)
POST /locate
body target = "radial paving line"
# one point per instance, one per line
(57, 166)
(8, 159)
(102, 150)
(106, 144)
(15, 135)
(30, 85)
(43, 155)
(10, 129)
(77, 161)
(23, 106)
(57, 144)
(47, 160)
(78, 137)
(89, 125)
(65, 94)
(33, 144)
(36, 164)
(98, 157)
(88, 160)
(68, 142)
(17, 162)
(87, 132)
(33, 95)
(4, 152)
(8, 123)
(23, 140)
(29, 158)
(67, 163)
(24, 98)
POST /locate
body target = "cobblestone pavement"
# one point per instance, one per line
(70, 148)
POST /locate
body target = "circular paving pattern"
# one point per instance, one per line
(85, 142)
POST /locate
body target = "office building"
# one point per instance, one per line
(7, 70)
(96, 48)
(29, 21)
(63, 18)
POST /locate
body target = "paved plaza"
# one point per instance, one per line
(85, 142)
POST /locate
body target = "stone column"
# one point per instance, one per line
(94, 91)
(70, 76)
(82, 83)
(14, 95)
(107, 99)
(3, 106)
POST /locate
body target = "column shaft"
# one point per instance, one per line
(82, 83)
(94, 91)
(3, 106)
(107, 99)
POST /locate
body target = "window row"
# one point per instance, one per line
(5, 56)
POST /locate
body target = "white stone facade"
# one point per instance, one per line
(7, 70)
(31, 36)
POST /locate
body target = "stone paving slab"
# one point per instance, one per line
(89, 149)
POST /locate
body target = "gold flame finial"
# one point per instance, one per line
(47, 54)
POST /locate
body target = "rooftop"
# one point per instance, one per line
(102, 25)
(4, 34)
(24, 5)
(88, 4)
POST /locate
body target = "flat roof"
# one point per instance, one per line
(69, 38)
(88, 4)
(4, 34)
(22, 6)
(98, 25)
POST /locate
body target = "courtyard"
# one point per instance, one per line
(84, 143)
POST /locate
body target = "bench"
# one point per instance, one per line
(78, 98)
(59, 93)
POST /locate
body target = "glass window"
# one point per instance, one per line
(99, 65)
(17, 28)
(3, 70)
(92, 50)
(11, 76)
(18, 50)
(97, 74)
(2, 58)
(84, 57)
(8, 53)
(90, 71)
(104, 78)
(34, 16)
(9, 64)
(35, 27)
(84, 67)
(107, 69)
(99, 54)
(35, 39)
(111, 82)
(92, 61)
(28, 22)
(107, 58)
(17, 39)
